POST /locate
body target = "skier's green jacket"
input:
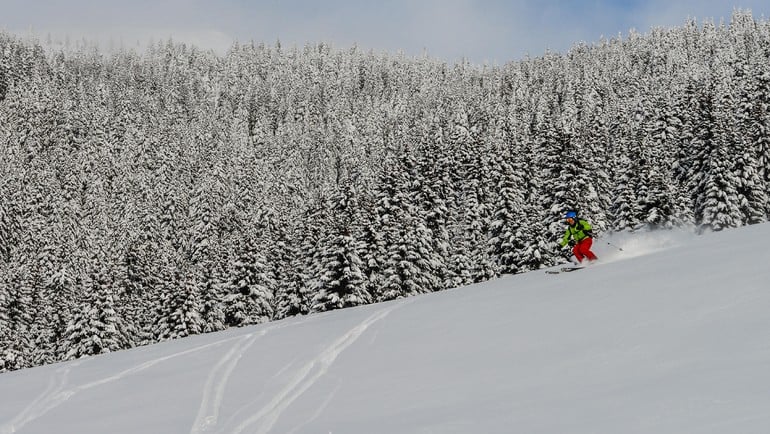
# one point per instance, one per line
(579, 231)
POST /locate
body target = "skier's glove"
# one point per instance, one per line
(572, 243)
(590, 233)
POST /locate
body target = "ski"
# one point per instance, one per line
(563, 270)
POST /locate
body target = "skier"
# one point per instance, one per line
(579, 236)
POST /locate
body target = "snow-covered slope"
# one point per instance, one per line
(672, 335)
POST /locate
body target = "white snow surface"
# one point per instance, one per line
(671, 335)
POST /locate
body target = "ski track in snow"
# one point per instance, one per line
(51, 397)
(307, 376)
(318, 411)
(57, 392)
(214, 390)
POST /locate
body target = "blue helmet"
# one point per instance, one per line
(570, 215)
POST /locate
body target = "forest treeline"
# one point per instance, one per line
(154, 195)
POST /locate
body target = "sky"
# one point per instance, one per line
(668, 336)
(481, 31)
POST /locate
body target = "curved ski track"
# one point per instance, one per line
(264, 419)
(57, 392)
(214, 390)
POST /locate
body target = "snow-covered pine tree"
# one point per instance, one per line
(201, 231)
(295, 298)
(143, 253)
(577, 165)
(507, 230)
(435, 167)
(588, 138)
(695, 108)
(655, 186)
(6, 333)
(211, 306)
(290, 298)
(95, 327)
(390, 211)
(409, 266)
(549, 146)
(624, 208)
(747, 111)
(8, 223)
(57, 291)
(373, 248)
(340, 281)
(180, 311)
(760, 122)
(20, 313)
(719, 201)
(248, 299)
(472, 203)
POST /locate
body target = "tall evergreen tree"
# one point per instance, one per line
(340, 282)
(95, 328)
(180, 314)
(508, 241)
(719, 189)
(248, 299)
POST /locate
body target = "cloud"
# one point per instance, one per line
(479, 30)
(128, 24)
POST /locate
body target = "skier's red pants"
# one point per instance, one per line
(583, 250)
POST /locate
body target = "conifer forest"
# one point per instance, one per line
(148, 195)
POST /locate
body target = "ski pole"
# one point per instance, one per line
(609, 243)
